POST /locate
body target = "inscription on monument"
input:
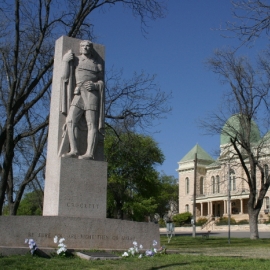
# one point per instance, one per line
(84, 236)
(83, 205)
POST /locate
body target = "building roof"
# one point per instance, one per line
(201, 154)
(266, 138)
(214, 164)
(235, 127)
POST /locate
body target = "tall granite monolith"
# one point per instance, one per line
(76, 186)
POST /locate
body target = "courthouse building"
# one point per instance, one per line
(212, 178)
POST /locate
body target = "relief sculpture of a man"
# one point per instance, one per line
(84, 77)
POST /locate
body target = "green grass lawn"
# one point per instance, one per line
(188, 253)
(189, 242)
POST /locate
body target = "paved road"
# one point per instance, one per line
(233, 234)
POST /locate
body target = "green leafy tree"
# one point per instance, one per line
(31, 204)
(140, 208)
(168, 193)
(132, 179)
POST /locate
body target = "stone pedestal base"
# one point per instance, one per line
(81, 189)
(79, 233)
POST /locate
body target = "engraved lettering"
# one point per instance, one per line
(83, 205)
(128, 238)
(72, 236)
(85, 236)
(46, 235)
(103, 237)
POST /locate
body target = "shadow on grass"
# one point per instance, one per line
(42, 254)
(168, 265)
(217, 263)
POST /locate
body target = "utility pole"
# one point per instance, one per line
(194, 197)
(229, 204)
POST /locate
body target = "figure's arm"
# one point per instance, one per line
(101, 73)
(90, 86)
(69, 56)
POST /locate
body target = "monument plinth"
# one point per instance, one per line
(82, 190)
(76, 173)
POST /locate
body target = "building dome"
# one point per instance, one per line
(233, 128)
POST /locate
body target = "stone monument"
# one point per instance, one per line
(76, 170)
(76, 173)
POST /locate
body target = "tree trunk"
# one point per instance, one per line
(119, 210)
(253, 222)
(11, 208)
(8, 157)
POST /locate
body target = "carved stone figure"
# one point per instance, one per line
(82, 100)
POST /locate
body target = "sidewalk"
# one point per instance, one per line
(214, 228)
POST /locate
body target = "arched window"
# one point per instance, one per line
(213, 184)
(201, 185)
(187, 208)
(266, 170)
(232, 179)
(266, 200)
(217, 184)
(187, 185)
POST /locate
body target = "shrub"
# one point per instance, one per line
(161, 223)
(224, 221)
(181, 219)
(242, 222)
(201, 221)
(267, 221)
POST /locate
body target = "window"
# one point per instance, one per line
(217, 184)
(232, 179)
(201, 185)
(187, 208)
(187, 185)
(266, 199)
(266, 169)
(213, 184)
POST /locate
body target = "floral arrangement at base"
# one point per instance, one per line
(32, 245)
(62, 248)
(135, 250)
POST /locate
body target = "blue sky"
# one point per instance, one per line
(175, 49)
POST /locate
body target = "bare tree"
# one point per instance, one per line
(252, 19)
(134, 103)
(247, 99)
(28, 30)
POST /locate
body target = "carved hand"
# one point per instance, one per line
(68, 56)
(90, 86)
